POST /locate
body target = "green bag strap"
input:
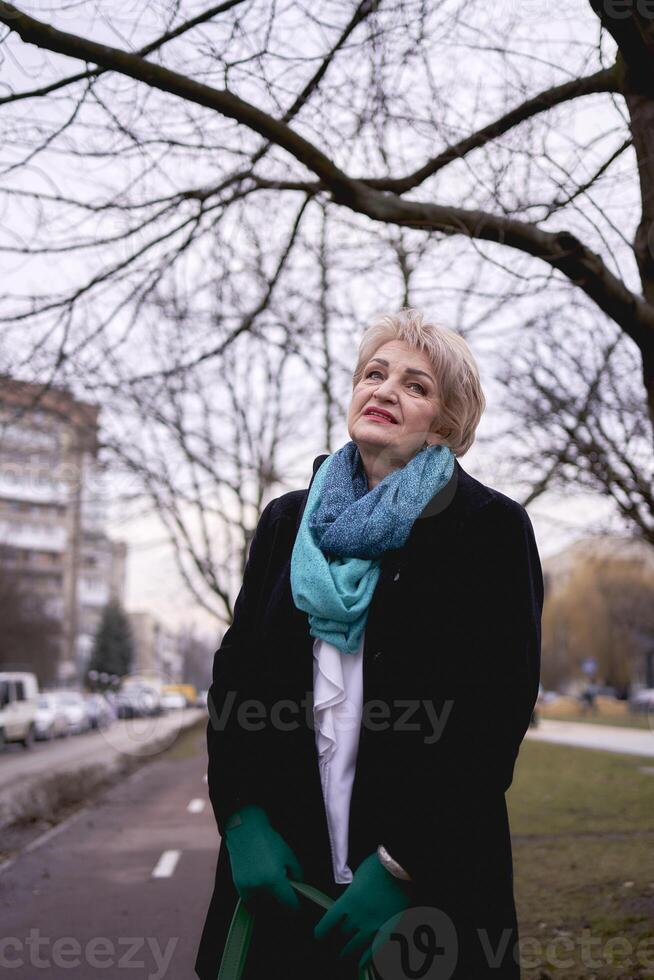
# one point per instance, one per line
(239, 936)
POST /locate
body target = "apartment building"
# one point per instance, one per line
(53, 513)
(156, 648)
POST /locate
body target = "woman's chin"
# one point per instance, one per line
(392, 449)
(376, 434)
(373, 444)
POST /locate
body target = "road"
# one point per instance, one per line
(131, 736)
(122, 886)
(611, 738)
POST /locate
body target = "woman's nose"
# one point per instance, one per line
(387, 390)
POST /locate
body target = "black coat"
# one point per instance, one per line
(451, 668)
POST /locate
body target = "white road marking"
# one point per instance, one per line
(166, 864)
(196, 806)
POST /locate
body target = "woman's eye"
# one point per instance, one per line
(412, 383)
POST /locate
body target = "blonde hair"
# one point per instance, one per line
(462, 400)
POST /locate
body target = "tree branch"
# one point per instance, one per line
(633, 31)
(188, 25)
(561, 250)
(605, 80)
(33, 31)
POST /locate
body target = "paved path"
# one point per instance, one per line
(122, 888)
(611, 738)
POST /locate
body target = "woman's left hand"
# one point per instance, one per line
(373, 896)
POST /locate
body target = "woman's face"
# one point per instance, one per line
(400, 381)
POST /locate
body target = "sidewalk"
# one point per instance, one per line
(611, 738)
(29, 779)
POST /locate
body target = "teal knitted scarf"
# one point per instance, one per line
(345, 530)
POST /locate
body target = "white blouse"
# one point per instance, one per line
(337, 708)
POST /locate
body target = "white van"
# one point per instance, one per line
(19, 691)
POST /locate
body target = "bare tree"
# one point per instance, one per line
(604, 611)
(303, 151)
(581, 420)
(205, 452)
(471, 161)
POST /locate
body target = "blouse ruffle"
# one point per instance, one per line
(337, 710)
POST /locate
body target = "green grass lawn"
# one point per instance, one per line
(582, 824)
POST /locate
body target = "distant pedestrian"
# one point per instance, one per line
(588, 699)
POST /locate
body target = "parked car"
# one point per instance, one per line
(51, 720)
(138, 700)
(173, 701)
(18, 707)
(101, 712)
(74, 707)
(125, 705)
(201, 700)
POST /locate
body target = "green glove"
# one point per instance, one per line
(260, 859)
(371, 898)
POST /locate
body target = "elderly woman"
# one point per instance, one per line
(370, 697)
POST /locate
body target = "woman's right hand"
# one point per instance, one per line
(261, 860)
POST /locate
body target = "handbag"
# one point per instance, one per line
(238, 939)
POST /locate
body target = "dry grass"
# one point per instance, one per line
(583, 840)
